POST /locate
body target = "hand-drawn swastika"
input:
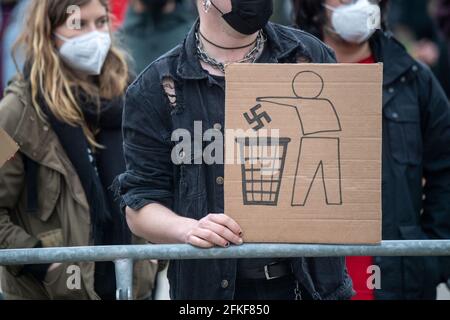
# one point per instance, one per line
(257, 118)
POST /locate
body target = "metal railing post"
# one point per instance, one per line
(124, 279)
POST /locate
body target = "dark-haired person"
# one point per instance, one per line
(416, 143)
(182, 203)
(65, 112)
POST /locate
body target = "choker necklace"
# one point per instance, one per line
(227, 48)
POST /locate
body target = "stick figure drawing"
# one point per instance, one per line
(318, 117)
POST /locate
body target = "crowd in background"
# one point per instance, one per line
(422, 26)
(149, 29)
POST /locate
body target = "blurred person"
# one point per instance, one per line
(6, 7)
(416, 144)
(65, 113)
(152, 28)
(167, 202)
(282, 12)
(11, 33)
(412, 23)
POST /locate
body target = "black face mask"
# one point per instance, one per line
(248, 16)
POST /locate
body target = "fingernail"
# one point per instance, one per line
(240, 241)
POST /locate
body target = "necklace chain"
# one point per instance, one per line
(250, 57)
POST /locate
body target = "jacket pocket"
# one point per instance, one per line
(191, 182)
(194, 208)
(404, 134)
(412, 232)
(49, 188)
(51, 239)
(60, 287)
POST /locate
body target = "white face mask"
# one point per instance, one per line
(86, 53)
(357, 22)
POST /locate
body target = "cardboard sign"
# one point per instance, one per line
(7, 147)
(304, 160)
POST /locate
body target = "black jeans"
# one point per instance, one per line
(277, 289)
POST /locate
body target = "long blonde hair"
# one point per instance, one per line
(52, 79)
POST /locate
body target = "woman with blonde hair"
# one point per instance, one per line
(65, 110)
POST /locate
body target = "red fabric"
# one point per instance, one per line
(118, 9)
(357, 266)
(357, 269)
(370, 59)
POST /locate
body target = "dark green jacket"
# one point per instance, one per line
(62, 216)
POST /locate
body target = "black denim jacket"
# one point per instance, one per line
(195, 190)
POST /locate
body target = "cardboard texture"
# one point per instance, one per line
(319, 180)
(7, 147)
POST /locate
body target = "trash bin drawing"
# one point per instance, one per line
(262, 163)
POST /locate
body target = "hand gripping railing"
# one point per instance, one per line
(124, 256)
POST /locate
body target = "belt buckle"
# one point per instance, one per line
(267, 273)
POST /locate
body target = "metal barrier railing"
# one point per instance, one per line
(124, 256)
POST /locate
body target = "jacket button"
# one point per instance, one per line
(45, 128)
(224, 284)
(391, 90)
(220, 180)
(395, 115)
(403, 79)
(218, 126)
(415, 68)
